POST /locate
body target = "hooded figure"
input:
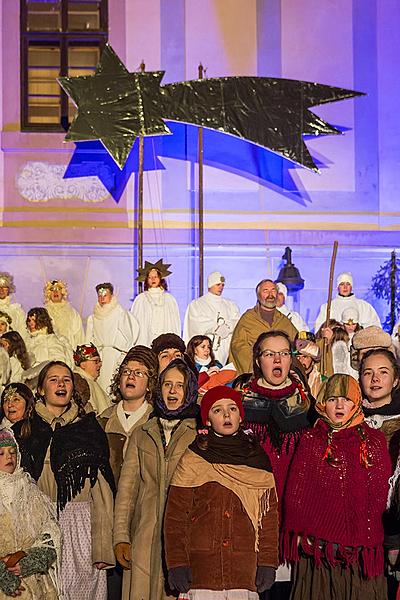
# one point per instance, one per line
(30, 535)
(152, 455)
(334, 500)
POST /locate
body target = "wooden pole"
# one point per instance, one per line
(393, 267)
(201, 199)
(324, 360)
(140, 198)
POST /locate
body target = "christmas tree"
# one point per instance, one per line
(386, 286)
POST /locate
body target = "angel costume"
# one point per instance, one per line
(113, 330)
(67, 321)
(157, 312)
(28, 524)
(214, 316)
(17, 314)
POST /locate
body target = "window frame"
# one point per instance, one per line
(64, 39)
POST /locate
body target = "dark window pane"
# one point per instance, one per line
(43, 88)
(44, 16)
(83, 16)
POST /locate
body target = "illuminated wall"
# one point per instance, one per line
(49, 225)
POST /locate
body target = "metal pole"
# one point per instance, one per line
(393, 268)
(201, 200)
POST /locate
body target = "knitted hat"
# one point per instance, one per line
(350, 316)
(85, 352)
(345, 277)
(216, 393)
(7, 438)
(281, 288)
(144, 355)
(7, 280)
(371, 337)
(215, 278)
(168, 340)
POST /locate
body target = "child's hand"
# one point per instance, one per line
(265, 578)
(212, 371)
(16, 569)
(18, 592)
(180, 578)
(123, 554)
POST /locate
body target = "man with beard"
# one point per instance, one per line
(112, 329)
(13, 309)
(66, 320)
(263, 317)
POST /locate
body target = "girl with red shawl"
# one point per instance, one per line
(334, 501)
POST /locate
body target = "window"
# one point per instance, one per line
(58, 38)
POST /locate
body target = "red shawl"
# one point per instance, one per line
(336, 511)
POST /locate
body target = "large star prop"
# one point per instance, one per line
(115, 107)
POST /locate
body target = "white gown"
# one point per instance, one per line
(214, 316)
(17, 314)
(48, 346)
(66, 322)
(367, 314)
(157, 312)
(396, 338)
(294, 317)
(113, 330)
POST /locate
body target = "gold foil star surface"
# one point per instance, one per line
(115, 107)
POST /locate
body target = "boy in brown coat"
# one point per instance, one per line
(221, 521)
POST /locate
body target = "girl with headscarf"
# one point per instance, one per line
(334, 500)
(30, 535)
(151, 457)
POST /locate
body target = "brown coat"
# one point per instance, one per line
(249, 327)
(117, 436)
(139, 507)
(207, 528)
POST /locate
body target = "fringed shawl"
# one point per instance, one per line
(336, 511)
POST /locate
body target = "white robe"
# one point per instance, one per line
(157, 312)
(113, 330)
(5, 368)
(67, 322)
(48, 346)
(17, 314)
(367, 315)
(214, 316)
(98, 398)
(294, 317)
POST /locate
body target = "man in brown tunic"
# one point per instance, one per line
(264, 316)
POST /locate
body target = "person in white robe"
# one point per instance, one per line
(155, 309)
(88, 365)
(396, 339)
(43, 344)
(112, 329)
(213, 316)
(346, 299)
(13, 309)
(67, 321)
(292, 315)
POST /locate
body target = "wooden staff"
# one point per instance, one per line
(201, 200)
(324, 365)
(140, 198)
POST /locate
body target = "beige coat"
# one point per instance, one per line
(250, 326)
(100, 495)
(117, 437)
(139, 506)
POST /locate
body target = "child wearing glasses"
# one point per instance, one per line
(151, 457)
(276, 405)
(132, 394)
